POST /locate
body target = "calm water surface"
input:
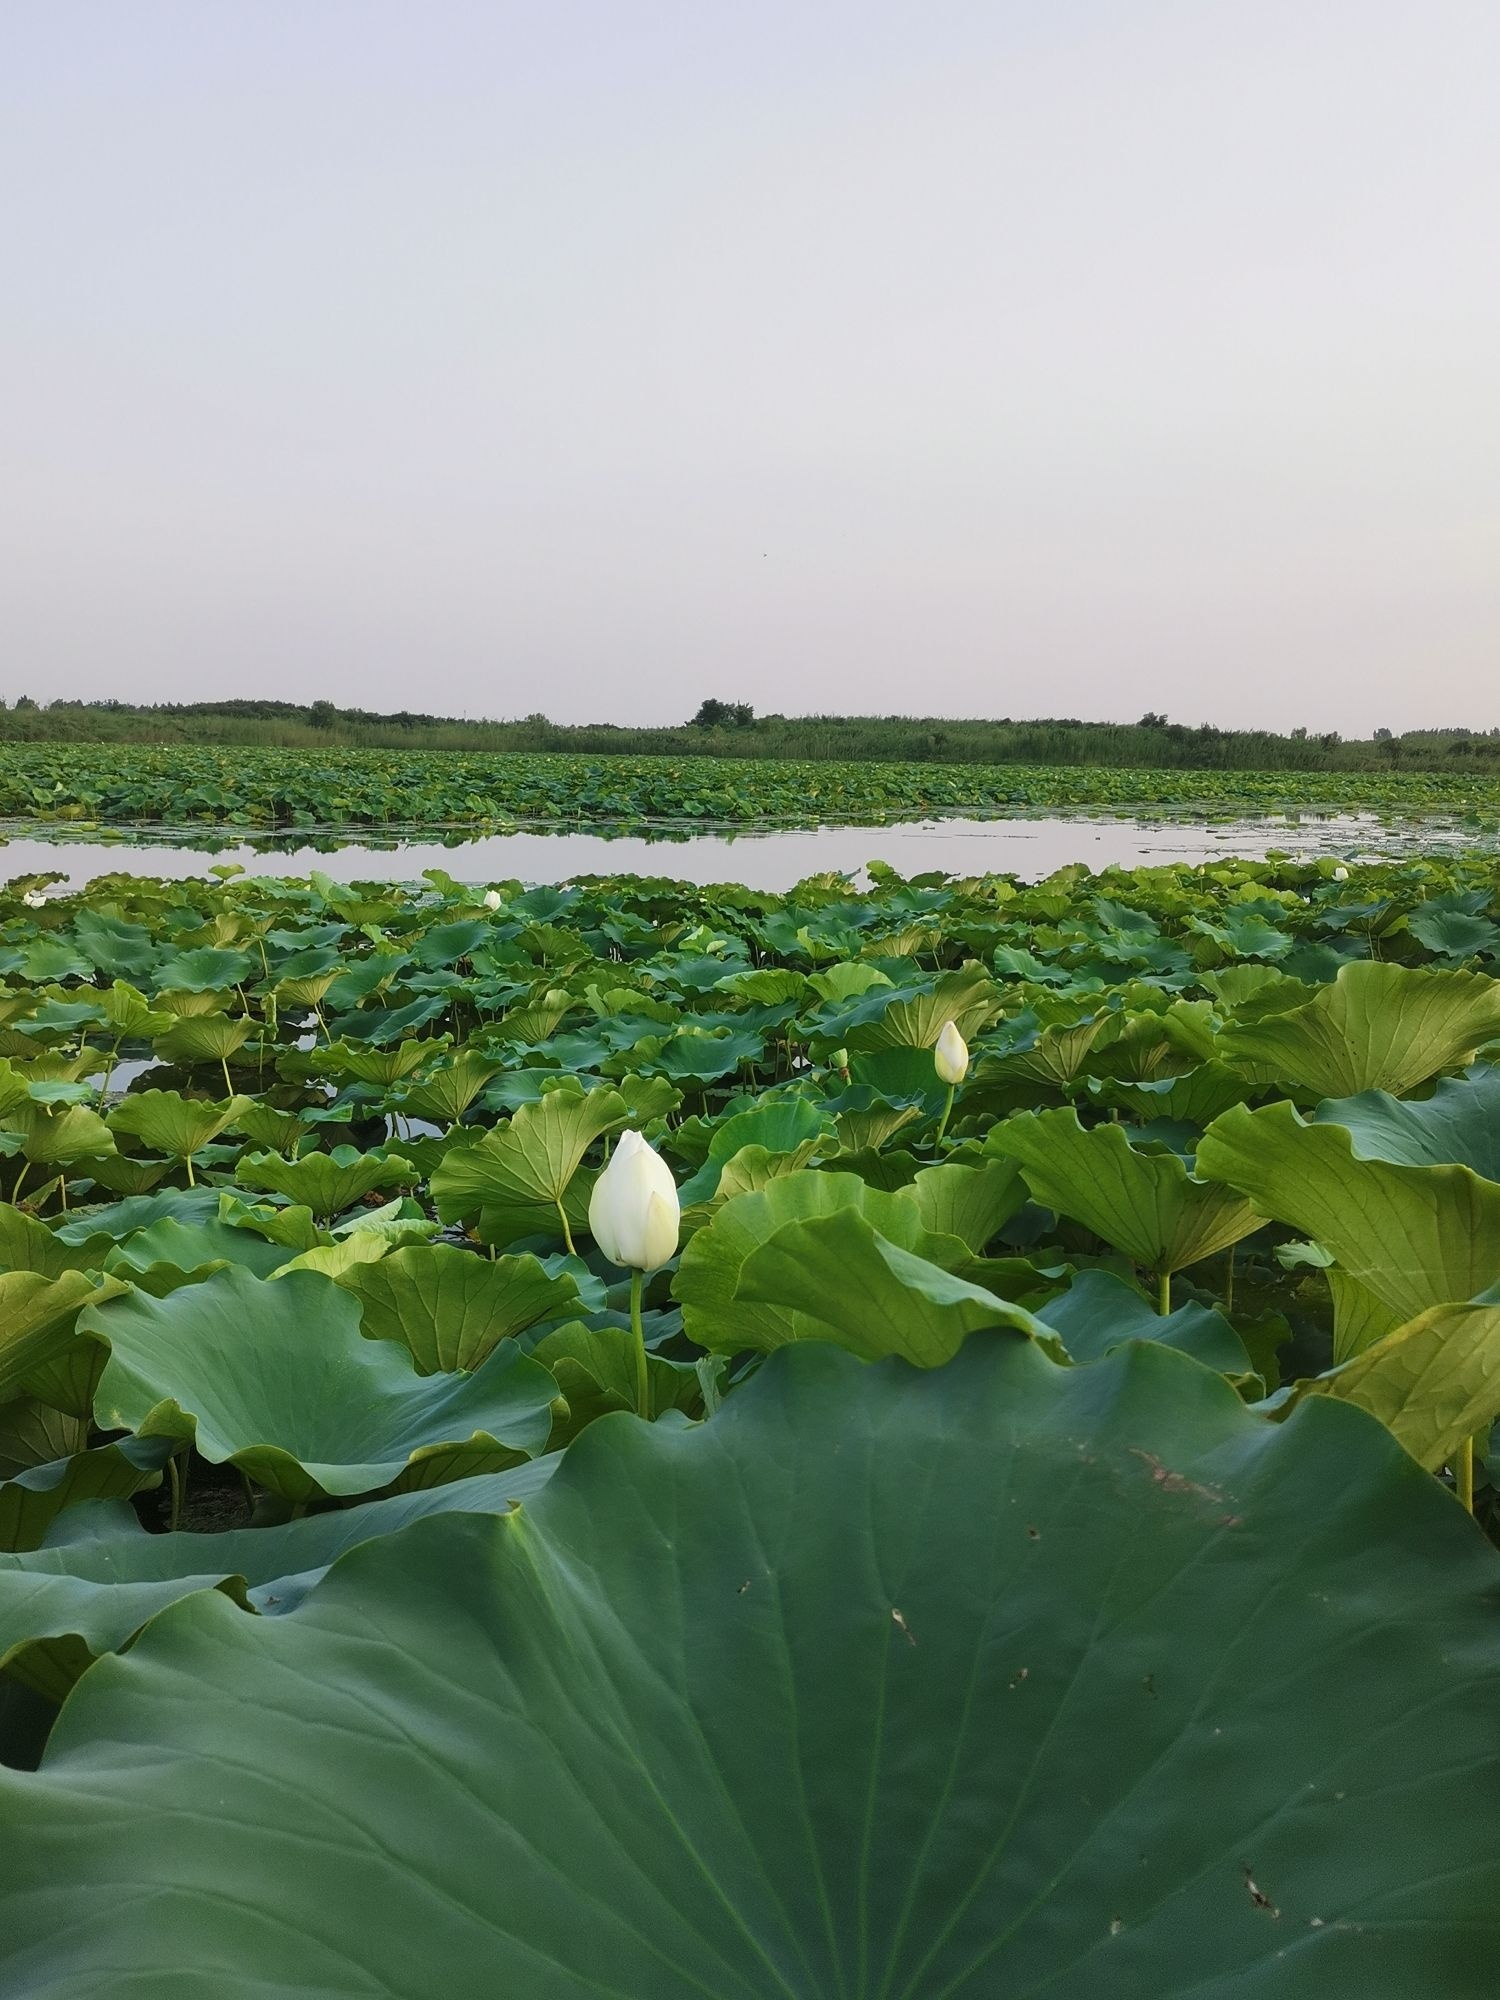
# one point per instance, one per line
(772, 860)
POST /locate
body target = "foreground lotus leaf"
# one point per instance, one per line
(1458, 1125)
(709, 1276)
(515, 1178)
(1413, 1237)
(837, 1278)
(62, 1607)
(32, 1500)
(1433, 1382)
(451, 1309)
(327, 1183)
(1146, 1204)
(1001, 1678)
(36, 1319)
(1374, 1027)
(274, 1375)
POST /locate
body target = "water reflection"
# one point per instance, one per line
(771, 859)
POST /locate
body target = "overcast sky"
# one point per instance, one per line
(991, 357)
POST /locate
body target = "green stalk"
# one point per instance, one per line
(192, 1181)
(174, 1474)
(943, 1121)
(1463, 1474)
(1229, 1278)
(567, 1232)
(642, 1373)
(1164, 1293)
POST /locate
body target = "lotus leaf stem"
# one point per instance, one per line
(567, 1232)
(1164, 1293)
(943, 1121)
(1463, 1474)
(642, 1372)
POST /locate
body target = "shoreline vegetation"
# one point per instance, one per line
(732, 730)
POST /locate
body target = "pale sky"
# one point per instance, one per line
(966, 357)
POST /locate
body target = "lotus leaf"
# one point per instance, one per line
(858, 1732)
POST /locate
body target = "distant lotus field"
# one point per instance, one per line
(656, 1443)
(84, 785)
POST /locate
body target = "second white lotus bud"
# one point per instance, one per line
(951, 1056)
(34, 899)
(492, 899)
(634, 1212)
(1341, 873)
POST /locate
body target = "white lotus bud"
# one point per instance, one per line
(492, 899)
(634, 1210)
(951, 1056)
(1341, 873)
(34, 899)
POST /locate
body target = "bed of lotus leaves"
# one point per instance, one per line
(1056, 1558)
(86, 784)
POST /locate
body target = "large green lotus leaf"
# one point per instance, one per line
(29, 1245)
(834, 1277)
(61, 1607)
(446, 1092)
(753, 1167)
(1433, 1382)
(31, 1501)
(516, 1176)
(36, 1319)
(187, 1247)
(208, 969)
(1359, 1318)
(1194, 1098)
(129, 1016)
(1099, 1312)
(204, 1038)
(59, 1136)
(1145, 1204)
(34, 1432)
(171, 1123)
(1458, 1125)
(969, 1202)
(708, 1277)
(276, 1377)
(1375, 1027)
(779, 1125)
(327, 1183)
(595, 1371)
(1413, 1236)
(451, 1309)
(999, 1679)
(1453, 933)
(968, 998)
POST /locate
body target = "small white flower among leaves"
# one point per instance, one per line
(34, 899)
(1341, 873)
(951, 1056)
(634, 1211)
(492, 899)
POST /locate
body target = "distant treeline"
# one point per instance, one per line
(732, 729)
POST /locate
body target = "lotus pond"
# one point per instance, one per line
(1028, 1529)
(135, 785)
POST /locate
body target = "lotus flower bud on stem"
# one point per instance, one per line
(1341, 873)
(634, 1217)
(950, 1058)
(492, 899)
